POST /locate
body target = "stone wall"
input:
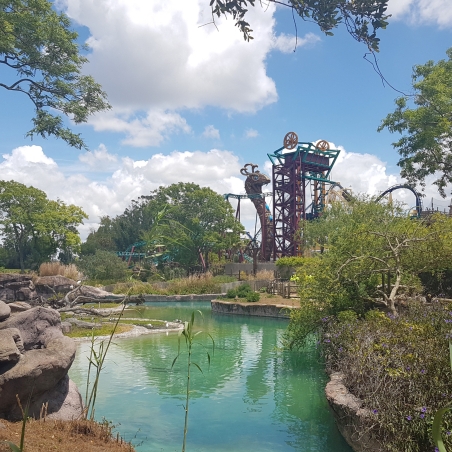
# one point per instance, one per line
(351, 418)
(251, 309)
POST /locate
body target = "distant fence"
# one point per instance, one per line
(247, 269)
(287, 289)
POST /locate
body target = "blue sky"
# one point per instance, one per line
(196, 104)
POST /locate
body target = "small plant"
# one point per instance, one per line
(189, 336)
(96, 360)
(253, 297)
(13, 447)
(231, 293)
(243, 290)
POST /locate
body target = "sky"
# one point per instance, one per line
(194, 103)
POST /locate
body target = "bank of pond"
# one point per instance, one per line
(255, 395)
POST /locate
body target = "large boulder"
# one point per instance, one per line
(38, 373)
(51, 285)
(11, 347)
(16, 287)
(5, 311)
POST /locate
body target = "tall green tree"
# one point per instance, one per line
(188, 219)
(363, 243)
(424, 120)
(36, 226)
(45, 62)
(362, 18)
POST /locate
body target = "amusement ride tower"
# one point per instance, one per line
(301, 173)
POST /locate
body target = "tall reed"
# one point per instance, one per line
(189, 336)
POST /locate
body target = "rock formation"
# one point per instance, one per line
(34, 360)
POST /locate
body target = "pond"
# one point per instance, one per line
(253, 396)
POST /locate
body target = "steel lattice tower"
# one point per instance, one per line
(300, 176)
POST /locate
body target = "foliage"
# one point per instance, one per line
(189, 336)
(189, 220)
(204, 283)
(45, 64)
(96, 361)
(253, 297)
(363, 242)
(426, 128)
(290, 261)
(362, 19)
(399, 367)
(57, 268)
(34, 227)
(103, 265)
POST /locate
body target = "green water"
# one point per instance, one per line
(254, 396)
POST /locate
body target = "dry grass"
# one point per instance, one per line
(56, 268)
(71, 436)
(261, 275)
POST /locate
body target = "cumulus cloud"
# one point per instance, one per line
(251, 133)
(156, 54)
(211, 132)
(127, 179)
(99, 159)
(289, 43)
(141, 131)
(422, 11)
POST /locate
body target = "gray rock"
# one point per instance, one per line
(49, 285)
(11, 347)
(82, 324)
(5, 311)
(15, 286)
(63, 402)
(36, 372)
(66, 327)
(353, 421)
(19, 306)
(37, 326)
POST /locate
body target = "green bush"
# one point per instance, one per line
(104, 265)
(399, 367)
(243, 290)
(231, 293)
(253, 296)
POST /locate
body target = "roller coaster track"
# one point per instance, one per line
(404, 187)
(348, 197)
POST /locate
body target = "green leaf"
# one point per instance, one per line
(436, 428)
(198, 367)
(12, 446)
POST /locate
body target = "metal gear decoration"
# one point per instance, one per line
(291, 140)
(323, 145)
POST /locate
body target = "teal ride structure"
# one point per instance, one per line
(301, 176)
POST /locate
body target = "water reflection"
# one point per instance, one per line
(253, 396)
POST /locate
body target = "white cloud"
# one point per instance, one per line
(289, 43)
(128, 179)
(211, 132)
(251, 133)
(148, 130)
(148, 53)
(422, 11)
(99, 159)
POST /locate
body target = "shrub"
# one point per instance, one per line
(104, 265)
(231, 293)
(57, 268)
(253, 296)
(243, 290)
(399, 367)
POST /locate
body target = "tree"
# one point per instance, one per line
(362, 18)
(426, 128)
(187, 219)
(42, 52)
(197, 221)
(365, 243)
(33, 225)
